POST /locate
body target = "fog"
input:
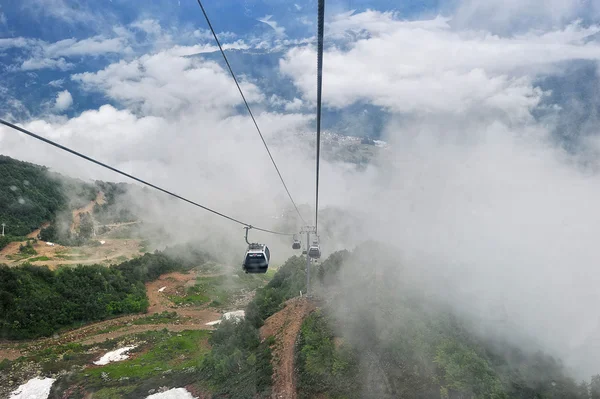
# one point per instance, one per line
(481, 202)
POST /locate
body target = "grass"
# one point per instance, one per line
(162, 358)
(71, 257)
(160, 318)
(163, 351)
(17, 256)
(40, 258)
(220, 291)
(110, 329)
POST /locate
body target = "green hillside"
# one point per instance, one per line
(31, 195)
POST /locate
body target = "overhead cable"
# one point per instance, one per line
(320, 29)
(248, 108)
(87, 158)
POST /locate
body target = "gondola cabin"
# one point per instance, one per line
(314, 251)
(296, 245)
(256, 259)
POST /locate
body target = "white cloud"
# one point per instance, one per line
(295, 105)
(64, 100)
(505, 17)
(167, 83)
(279, 30)
(43, 55)
(426, 67)
(16, 42)
(56, 83)
(92, 46)
(206, 34)
(150, 26)
(46, 63)
(62, 10)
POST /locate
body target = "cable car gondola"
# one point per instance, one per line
(315, 250)
(296, 244)
(257, 258)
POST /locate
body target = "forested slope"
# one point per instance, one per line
(35, 301)
(381, 336)
(31, 195)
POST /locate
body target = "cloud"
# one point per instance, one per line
(279, 30)
(44, 55)
(93, 46)
(150, 26)
(427, 67)
(17, 42)
(206, 34)
(46, 63)
(506, 17)
(66, 11)
(64, 100)
(56, 83)
(167, 83)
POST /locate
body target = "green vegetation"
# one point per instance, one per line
(323, 368)
(238, 366)
(7, 239)
(409, 344)
(27, 249)
(39, 259)
(35, 301)
(32, 195)
(218, 291)
(114, 209)
(160, 357)
(86, 226)
(287, 283)
(66, 237)
(159, 318)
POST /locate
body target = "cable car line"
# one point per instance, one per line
(248, 107)
(87, 158)
(320, 32)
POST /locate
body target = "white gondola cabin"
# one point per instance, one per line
(257, 259)
(315, 250)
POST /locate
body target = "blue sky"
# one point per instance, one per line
(42, 23)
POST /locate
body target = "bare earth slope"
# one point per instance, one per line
(285, 326)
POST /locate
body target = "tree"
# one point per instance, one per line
(595, 387)
(86, 225)
(48, 234)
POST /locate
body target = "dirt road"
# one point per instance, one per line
(285, 326)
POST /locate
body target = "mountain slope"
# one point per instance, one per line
(31, 195)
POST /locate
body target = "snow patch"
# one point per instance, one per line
(114, 356)
(236, 315)
(35, 388)
(162, 289)
(175, 393)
